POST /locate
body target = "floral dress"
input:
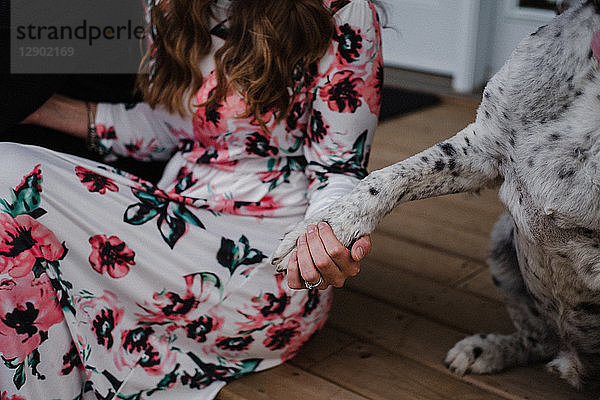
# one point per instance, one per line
(112, 287)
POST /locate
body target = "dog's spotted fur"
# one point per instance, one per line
(538, 132)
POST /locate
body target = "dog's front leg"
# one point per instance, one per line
(461, 163)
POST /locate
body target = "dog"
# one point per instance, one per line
(537, 136)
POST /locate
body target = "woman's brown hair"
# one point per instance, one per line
(267, 42)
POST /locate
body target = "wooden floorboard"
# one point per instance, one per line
(424, 286)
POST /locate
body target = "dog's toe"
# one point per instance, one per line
(477, 354)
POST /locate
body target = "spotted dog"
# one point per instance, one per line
(537, 135)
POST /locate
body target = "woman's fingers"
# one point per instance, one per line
(361, 248)
(322, 260)
(338, 252)
(308, 270)
(320, 256)
(293, 273)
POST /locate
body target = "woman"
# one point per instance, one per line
(116, 288)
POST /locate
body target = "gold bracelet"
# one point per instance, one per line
(92, 134)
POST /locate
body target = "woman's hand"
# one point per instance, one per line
(321, 256)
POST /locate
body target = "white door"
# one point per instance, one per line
(438, 36)
(468, 40)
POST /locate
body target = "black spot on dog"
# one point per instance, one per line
(488, 115)
(468, 142)
(451, 164)
(496, 281)
(373, 191)
(477, 351)
(554, 137)
(533, 340)
(439, 165)
(557, 34)
(578, 93)
(565, 173)
(534, 311)
(424, 159)
(448, 149)
(483, 336)
(486, 95)
(588, 307)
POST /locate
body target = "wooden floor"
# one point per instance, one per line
(424, 287)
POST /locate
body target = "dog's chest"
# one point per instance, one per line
(552, 172)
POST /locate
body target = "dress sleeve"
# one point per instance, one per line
(138, 131)
(344, 99)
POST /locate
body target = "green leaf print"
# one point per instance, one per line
(173, 216)
(167, 381)
(25, 198)
(231, 256)
(19, 377)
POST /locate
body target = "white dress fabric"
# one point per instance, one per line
(114, 288)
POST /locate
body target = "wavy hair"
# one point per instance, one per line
(266, 43)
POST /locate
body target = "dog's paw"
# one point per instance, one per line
(478, 354)
(282, 254)
(348, 220)
(567, 367)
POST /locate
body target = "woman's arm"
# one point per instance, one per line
(344, 106)
(63, 114)
(136, 131)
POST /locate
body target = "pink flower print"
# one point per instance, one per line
(143, 150)
(266, 308)
(343, 93)
(264, 207)
(110, 255)
(182, 308)
(239, 343)
(104, 315)
(280, 336)
(95, 182)
(349, 43)
(144, 347)
(5, 396)
(28, 308)
(23, 241)
(373, 87)
(105, 132)
(269, 176)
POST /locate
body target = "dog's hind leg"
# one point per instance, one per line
(534, 340)
(466, 162)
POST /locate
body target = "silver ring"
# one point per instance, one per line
(314, 285)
